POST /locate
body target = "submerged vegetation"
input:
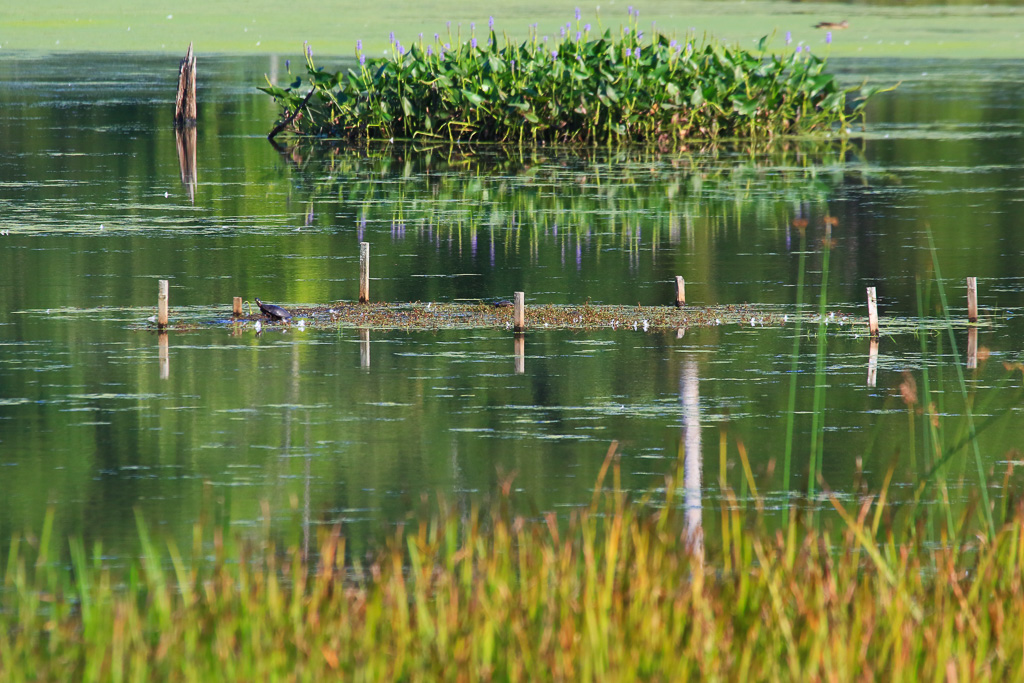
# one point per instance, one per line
(586, 87)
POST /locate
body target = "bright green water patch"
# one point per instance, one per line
(959, 32)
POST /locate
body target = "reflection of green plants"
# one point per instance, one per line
(454, 188)
(585, 88)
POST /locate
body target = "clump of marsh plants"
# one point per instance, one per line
(585, 87)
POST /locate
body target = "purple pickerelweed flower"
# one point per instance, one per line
(579, 36)
(430, 50)
(828, 37)
(636, 52)
(799, 49)
(472, 26)
(359, 45)
(362, 59)
(562, 32)
(391, 37)
(789, 37)
(447, 46)
(490, 23)
(436, 37)
(626, 53)
(626, 30)
(288, 64)
(309, 51)
(586, 28)
(399, 49)
(629, 10)
(577, 14)
(473, 43)
(554, 55)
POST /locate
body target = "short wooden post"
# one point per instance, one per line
(680, 292)
(364, 272)
(364, 348)
(519, 312)
(161, 305)
(972, 299)
(185, 102)
(236, 307)
(519, 352)
(164, 355)
(972, 348)
(873, 361)
(872, 312)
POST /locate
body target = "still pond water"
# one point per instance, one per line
(97, 420)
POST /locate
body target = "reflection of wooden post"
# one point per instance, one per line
(185, 102)
(364, 272)
(161, 305)
(236, 307)
(519, 352)
(872, 312)
(972, 299)
(873, 362)
(519, 312)
(364, 348)
(185, 138)
(164, 355)
(689, 390)
(972, 348)
(680, 292)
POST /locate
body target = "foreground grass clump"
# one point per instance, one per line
(586, 87)
(619, 592)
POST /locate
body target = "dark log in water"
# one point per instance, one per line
(185, 102)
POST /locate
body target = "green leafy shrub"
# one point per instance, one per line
(584, 88)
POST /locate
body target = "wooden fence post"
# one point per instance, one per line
(972, 299)
(872, 312)
(161, 305)
(364, 272)
(680, 292)
(519, 312)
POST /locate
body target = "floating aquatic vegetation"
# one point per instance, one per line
(584, 87)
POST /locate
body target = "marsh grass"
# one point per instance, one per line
(586, 87)
(614, 592)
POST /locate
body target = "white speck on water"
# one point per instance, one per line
(166, 195)
(170, 16)
(259, 327)
(301, 325)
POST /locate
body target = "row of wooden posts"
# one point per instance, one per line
(519, 298)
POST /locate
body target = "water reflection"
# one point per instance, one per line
(185, 139)
(164, 355)
(689, 397)
(85, 422)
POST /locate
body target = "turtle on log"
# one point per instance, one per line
(274, 312)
